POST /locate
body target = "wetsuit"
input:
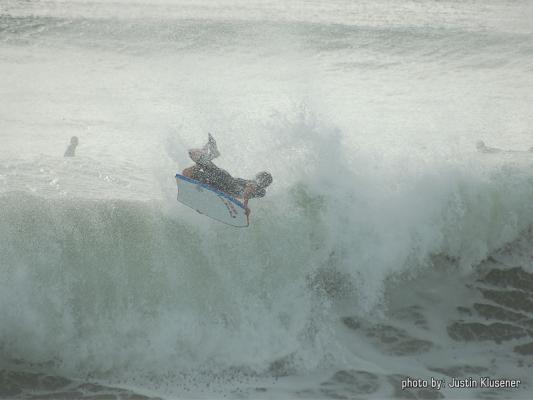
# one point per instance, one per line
(208, 173)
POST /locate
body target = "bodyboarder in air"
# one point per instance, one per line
(207, 172)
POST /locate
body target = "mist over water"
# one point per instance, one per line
(381, 211)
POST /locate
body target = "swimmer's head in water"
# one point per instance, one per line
(480, 145)
(74, 140)
(263, 179)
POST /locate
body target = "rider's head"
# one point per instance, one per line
(263, 179)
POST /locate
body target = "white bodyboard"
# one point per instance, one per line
(211, 202)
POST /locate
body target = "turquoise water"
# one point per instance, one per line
(367, 115)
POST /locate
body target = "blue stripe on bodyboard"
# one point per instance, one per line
(218, 192)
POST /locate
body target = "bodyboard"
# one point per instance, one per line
(211, 202)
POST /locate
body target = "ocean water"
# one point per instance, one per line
(389, 253)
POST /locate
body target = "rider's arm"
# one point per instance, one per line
(250, 188)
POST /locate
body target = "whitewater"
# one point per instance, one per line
(388, 250)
